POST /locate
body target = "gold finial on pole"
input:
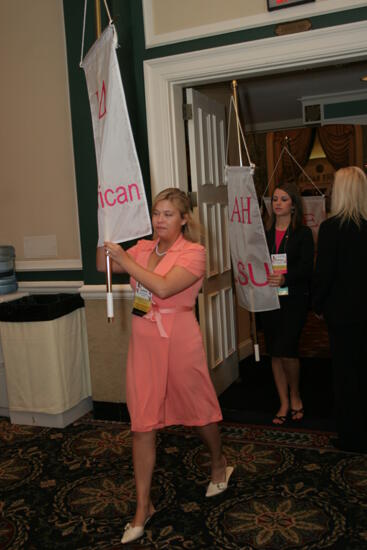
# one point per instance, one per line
(235, 99)
(97, 9)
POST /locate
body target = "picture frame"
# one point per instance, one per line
(279, 4)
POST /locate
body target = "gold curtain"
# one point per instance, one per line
(342, 143)
(339, 144)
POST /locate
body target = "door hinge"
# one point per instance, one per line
(187, 111)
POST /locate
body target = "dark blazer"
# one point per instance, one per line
(299, 246)
(340, 292)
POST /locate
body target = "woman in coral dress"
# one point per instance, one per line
(168, 380)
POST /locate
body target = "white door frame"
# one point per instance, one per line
(166, 77)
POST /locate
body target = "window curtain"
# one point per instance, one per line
(342, 143)
(339, 144)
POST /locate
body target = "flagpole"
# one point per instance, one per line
(97, 11)
(252, 313)
(110, 313)
(234, 88)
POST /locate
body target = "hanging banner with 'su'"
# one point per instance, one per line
(122, 206)
(249, 252)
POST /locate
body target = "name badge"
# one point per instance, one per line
(279, 263)
(142, 300)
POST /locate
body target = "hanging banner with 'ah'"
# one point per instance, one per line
(249, 251)
(122, 206)
(314, 212)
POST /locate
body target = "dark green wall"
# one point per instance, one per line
(128, 17)
(345, 108)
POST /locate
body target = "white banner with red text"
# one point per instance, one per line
(249, 251)
(314, 212)
(122, 206)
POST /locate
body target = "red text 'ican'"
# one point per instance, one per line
(119, 195)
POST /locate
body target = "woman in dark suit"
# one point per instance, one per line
(282, 327)
(340, 296)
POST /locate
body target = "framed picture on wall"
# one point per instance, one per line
(278, 4)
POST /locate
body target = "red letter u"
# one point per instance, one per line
(242, 277)
(251, 273)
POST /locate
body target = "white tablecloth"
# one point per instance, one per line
(46, 363)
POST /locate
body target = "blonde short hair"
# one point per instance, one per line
(349, 195)
(191, 230)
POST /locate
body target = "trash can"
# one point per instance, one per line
(45, 350)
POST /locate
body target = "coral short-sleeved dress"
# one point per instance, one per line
(168, 381)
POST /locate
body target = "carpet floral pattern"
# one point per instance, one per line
(73, 489)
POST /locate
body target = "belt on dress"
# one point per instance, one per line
(155, 315)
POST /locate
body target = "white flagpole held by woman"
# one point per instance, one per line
(109, 295)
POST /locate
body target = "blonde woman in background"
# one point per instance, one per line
(340, 296)
(168, 380)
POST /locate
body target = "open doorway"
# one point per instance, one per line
(321, 161)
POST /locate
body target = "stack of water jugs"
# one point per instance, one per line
(8, 281)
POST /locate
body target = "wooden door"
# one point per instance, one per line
(207, 148)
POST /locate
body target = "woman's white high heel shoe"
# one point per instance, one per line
(132, 533)
(217, 488)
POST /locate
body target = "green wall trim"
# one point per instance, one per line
(346, 108)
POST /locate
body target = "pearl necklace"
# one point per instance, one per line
(159, 253)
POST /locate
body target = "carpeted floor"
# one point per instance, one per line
(73, 489)
(253, 397)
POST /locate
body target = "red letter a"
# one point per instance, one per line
(102, 101)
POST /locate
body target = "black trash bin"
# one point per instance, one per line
(45, 348)
(39, 307)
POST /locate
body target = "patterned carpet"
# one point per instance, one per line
(73, 489)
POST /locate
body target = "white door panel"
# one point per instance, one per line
(223, 239)
(214, 324)
(210, 222)
(207, 144)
